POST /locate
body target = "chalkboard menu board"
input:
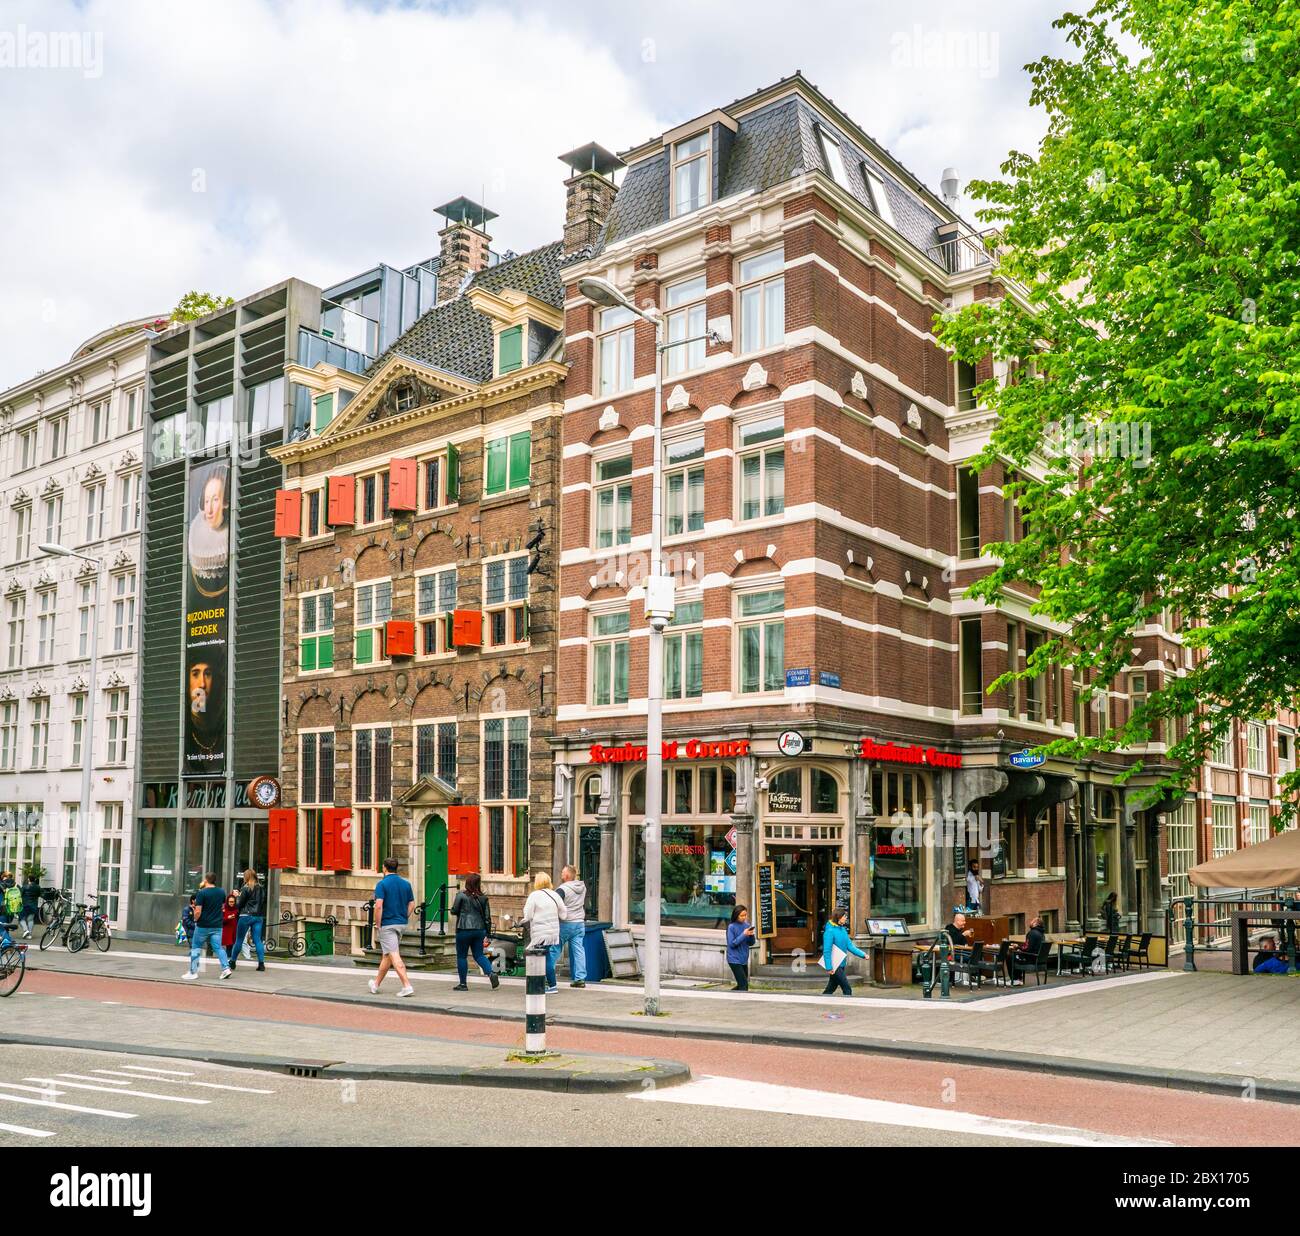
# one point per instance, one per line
(842, 887)
(766, 901)
(959, 862)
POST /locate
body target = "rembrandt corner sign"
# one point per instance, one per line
(673, 749)
(892, 753)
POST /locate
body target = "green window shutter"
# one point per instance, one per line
(525, 609)
(365, 647)
(324, 411)
(447, 624)
(510, 346)
(325, 652)
(521, 840)
(495, 482)
(521, 452)
(453, 473)
(307, 656)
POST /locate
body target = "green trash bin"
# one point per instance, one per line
(319, 938)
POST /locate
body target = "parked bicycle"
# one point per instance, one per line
(97, 926)
(67, 928)
(13, 964)
(53, 902)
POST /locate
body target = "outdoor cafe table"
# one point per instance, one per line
(1060, 938)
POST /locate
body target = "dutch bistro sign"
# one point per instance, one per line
(914, 753)
(673, 749)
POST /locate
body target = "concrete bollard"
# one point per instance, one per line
(535, 1000)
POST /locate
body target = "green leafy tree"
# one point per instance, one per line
(1153, 354)
(198, 305)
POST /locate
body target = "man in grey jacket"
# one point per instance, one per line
(573, 925)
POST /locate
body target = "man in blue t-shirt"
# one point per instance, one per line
(394, 900)
(207, 926)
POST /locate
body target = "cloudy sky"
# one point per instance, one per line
(227, 145)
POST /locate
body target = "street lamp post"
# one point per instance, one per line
(81, 870)
(659, 606)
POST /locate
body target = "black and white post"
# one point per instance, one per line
(535, 1000)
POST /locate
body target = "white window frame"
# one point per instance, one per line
(745, 622)
(317, 629)
(47, 604)
(442, 501)
(132, 409)
(85, 616)
(685, 319)
(878, 196)
(117, 709)
(437, 725)
(757, 285)
(58, 436)
(94, 500)
(1224, 833)
(39, 750)
(76, 728)
(128, 504)
(507, 801)
(367, 810)
(323, 530)
(53, 512)
(379, 478)
(615, 338)
(678, 473)
(17, 629)
(608, 645)
(375, 624)
(514, 607)
(680, 633)
(833, 156)
(616, 487)
(1256, 747)
(682, 159)
(8, 735)
(437, 618)
(762, 451)
(100, 427)
(124, 594)
(25, 453)
(22, 532)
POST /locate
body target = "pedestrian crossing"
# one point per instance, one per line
(123, 1093)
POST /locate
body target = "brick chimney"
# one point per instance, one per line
(465, 244)
(589, 194)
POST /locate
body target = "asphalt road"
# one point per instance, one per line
(85, 1098)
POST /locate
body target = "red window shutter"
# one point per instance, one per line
(282, 837)
(341, 506)
(336, 842)
(402, 476)
(399, 639)
(467, 628)
(462, 840)
(288, 512)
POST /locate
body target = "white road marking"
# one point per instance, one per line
(140, 1068)
(135, 1094)
(31, 1089)
(25, 1131)
(67, 1107)
(205, 1085)
(739, 1094)
(83, 1077)
(110, 1002)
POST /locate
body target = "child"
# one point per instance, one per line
(229, 924)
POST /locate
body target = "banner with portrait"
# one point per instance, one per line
(207, 608)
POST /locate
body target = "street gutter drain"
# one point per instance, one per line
(305, 1068)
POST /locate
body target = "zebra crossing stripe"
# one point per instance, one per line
(24, 1131)
(66, 1107)
(135, 1094)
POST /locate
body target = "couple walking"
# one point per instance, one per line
(221, 921)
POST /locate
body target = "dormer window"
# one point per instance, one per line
(879, 202)
(692, 178)
(404, 400)
(834, 159)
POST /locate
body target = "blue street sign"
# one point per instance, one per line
(827, 679)
(798, 677)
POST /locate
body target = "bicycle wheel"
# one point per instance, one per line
(13, 965)
(103, 940)
(51, 935)
(77, 936)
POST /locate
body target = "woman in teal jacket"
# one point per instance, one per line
(837, 937)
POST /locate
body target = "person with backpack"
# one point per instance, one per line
(836, 939)
(252, 913)
(473, 922)
(542, 913)
(185, 932)
(13, 897)
(31, 904)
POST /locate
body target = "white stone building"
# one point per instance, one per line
(71, 448)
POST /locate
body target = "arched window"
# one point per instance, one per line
(589, 802)
(803, 790)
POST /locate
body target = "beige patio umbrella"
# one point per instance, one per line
(1269, 864)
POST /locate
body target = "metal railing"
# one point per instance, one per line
(941, 973)
(967, 251)
(1205, 923)
(440, 897)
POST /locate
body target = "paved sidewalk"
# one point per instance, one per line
(1205, 1031)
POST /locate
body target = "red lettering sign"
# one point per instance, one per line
(891, 753)
(673, 749)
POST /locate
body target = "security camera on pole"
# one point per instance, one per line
(660, 603)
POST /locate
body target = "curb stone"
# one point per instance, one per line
(656, 1072)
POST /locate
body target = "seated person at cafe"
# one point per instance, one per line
(1268, 960)
(958, 932)
(1034, 939)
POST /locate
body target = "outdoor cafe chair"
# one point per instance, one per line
(1033, 965)
(1111, 962)
(969, 963)
(1080, 957)
(995, 967)
(1142, 953)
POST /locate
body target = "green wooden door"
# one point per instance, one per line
(435, 862)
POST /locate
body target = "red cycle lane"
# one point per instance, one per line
(1111, 1108)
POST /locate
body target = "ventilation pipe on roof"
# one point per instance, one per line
(950, 187)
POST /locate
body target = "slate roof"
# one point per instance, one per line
(772, 145)
(455, 337)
